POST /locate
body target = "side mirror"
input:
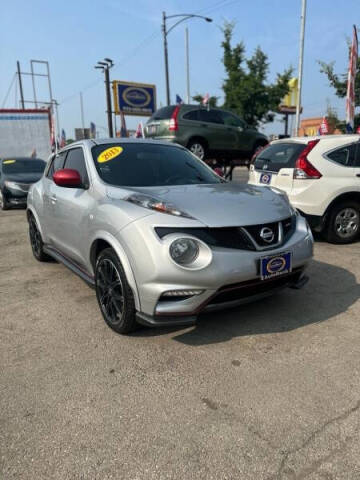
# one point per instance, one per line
(67, 177)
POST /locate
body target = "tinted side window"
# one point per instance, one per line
(344, 155)
(193, 115)
(56, 164)
(279, 155)
(75, 160)
(232, 120)
(211, 116)
(357, 156)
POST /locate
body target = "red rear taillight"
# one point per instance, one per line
(304, 170)
(173, 120)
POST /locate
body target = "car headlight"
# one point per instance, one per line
(152, 203)
(184, 251)
(12, 185)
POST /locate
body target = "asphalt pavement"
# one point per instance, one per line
(268, 391)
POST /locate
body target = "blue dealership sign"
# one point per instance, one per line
(134, 98)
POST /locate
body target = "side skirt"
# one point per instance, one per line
(70, 265)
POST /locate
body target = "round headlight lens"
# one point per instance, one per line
(184, 251)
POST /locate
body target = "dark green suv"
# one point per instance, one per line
(208, 133)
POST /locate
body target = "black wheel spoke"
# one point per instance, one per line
(110, 291)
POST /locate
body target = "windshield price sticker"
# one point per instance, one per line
(6, 162)
(109, 154)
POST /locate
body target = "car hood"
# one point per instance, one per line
(23, 177)
(224, 204)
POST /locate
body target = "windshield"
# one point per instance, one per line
(23, 165)
(149, 165)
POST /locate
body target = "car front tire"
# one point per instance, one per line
(36, 242)
(343, 225)
(113, 293)
(3, 203)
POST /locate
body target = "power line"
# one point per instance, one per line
(131, 54)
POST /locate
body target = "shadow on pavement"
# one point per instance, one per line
(330, 291)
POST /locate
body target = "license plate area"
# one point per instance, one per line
(275, 265)
(265, 178)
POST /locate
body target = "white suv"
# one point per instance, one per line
(321, 176)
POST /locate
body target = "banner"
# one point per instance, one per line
(350, 93)
(134, 98)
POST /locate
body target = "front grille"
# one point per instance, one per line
(255, 232)
(243, 290)
(227, 237)
(235, 237)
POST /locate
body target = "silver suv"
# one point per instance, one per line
(159, 235)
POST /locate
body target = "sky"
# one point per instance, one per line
(73, 36)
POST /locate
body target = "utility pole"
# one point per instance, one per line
(20, 86)
(166, 60)
(187, 65)
(300, 71)
(82, 112)
(183, 17)
(105, 67)
(108, 102)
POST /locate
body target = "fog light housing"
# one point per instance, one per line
(184, 251)
(182, 293)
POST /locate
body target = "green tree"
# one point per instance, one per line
(339, 82)
(246, 89)
(212, 100)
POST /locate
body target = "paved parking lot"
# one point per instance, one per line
(267, 391)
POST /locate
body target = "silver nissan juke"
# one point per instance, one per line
(159, 235)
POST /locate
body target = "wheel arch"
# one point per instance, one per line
(105, 240)
(346, 196)
(199, 138)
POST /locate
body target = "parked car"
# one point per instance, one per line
(159, 235)
(321, 176)
(17, 174)
(208, 133)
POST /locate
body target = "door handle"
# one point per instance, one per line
(53, 199)
(358, 174)
(204, 125)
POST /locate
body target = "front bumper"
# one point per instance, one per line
(230, 296)
(231, 270)
(15, 197)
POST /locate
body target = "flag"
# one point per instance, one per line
(52, 134)
(92, 130)
(62, 139)
(350, 93)
(324, 127)
(123, 131)
(139, 131)
(179, 100)
(205, 99)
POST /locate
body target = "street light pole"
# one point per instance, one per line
(300, 72)
(187, 65)
(166, 59)
(105, 66)
(183, 17)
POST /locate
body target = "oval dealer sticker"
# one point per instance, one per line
(109, 154)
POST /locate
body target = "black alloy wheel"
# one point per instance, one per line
(113, 293)
(36, 242)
